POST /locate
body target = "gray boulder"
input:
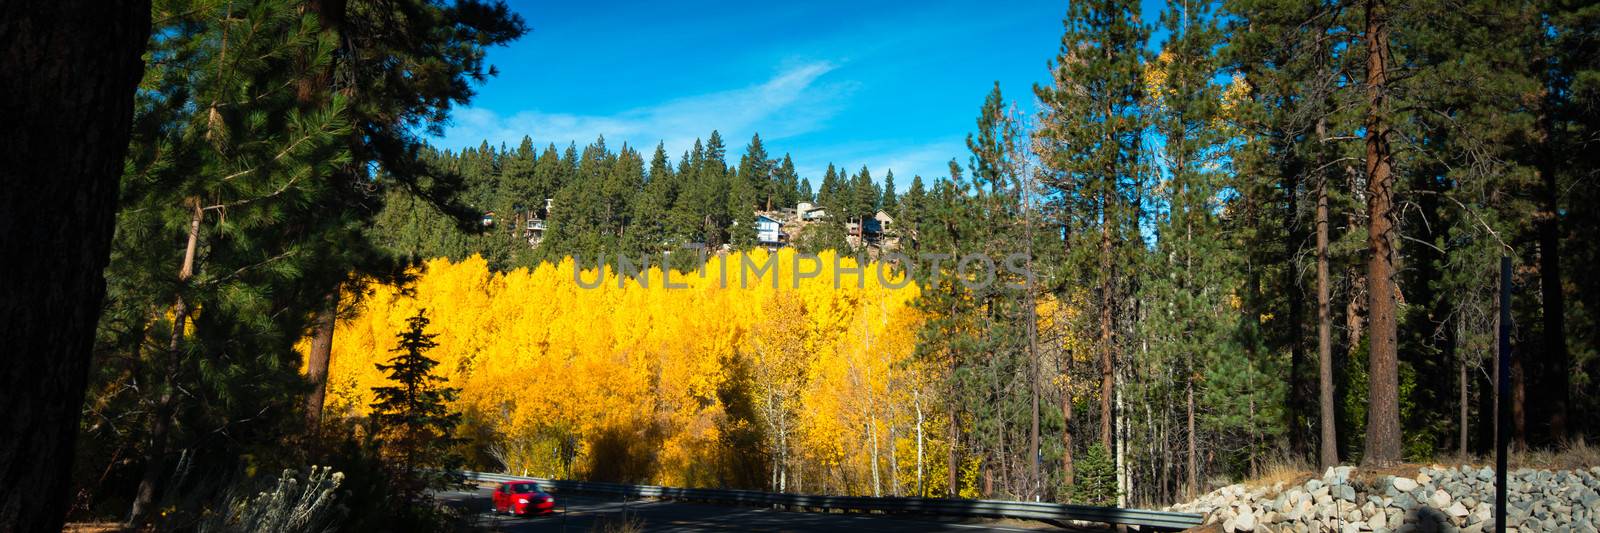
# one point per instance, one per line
(1404, 484)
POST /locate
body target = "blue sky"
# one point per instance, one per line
(883, 84)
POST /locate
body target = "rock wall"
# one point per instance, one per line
(1436, 499)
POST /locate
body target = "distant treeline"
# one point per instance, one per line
(609, 202)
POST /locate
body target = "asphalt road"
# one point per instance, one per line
(581, 513)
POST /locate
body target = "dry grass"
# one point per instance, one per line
(1286, 470)
(1290, 471)
(1371, 476)
(623, 522)
(1575, 455)
(1578, 454)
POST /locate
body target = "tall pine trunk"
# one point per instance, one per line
(1461, 402)
(1296, 416)
(1519, 402)
(313, 90)
(1383, 411)
(1066, 418)
(1557, 362)
(69, 69)
(1035, 479)
(1355, 327)
(166, 405)
(1107, 383)
(1194, 460)
(1328, 450)
(318, 358)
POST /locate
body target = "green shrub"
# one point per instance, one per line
(1094, 478)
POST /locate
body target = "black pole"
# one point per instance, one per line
(1503, 403)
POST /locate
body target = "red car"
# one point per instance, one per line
(522, 498)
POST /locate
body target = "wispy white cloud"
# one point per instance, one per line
(793, 102)
(929, 159)
(799, 99)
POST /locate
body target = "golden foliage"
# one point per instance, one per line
(633, 381)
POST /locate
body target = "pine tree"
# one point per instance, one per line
(624, 181)
(400, 66)
(217, 137)
(787, 183)
(742, 197)
(65, 63)
(519, 199)
(1286, 93)
(864, 196)
(888, 203)
(945, 340)
(648, 232)
(1096, 478)
(1184, 287)
(702, 211)
(1090, 132)
(977, 327)
(412, 419)
(590, 214)
(828, 189)
(687, 221)
(1383, 414)
(821, 236)
(909, 216)
(756, 171)
(1574, 120)
(751, 189)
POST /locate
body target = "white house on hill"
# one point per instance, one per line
(769, 231)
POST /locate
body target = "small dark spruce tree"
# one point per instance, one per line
(411, 419)
(1095, 479)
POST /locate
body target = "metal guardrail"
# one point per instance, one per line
(927, 506)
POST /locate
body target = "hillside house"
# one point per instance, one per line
(872, 231)
(810, 213)
(769, 231)
(533, 231)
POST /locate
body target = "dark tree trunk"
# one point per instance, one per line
(1193, 488)
(1299, 441)
(312, 91)
(1345, 359)
(166, 407)
(68, 69)
(1494, 381)
(1107, 383)
(1035, 481)
(1461, 403)
(1557, 362)
(1519, 403)
(317, 360)
(950, 449)
(1066, 422)
(1383, 411)
(1328, 451)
